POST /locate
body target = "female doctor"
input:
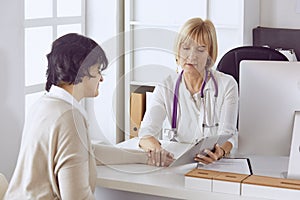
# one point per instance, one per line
(199, 101)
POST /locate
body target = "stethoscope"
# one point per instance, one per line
(173, 132)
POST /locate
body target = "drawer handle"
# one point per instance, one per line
(230, 176)
(204, 173)
(287, 183)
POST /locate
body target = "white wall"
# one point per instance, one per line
(279, 14)
(11, 83)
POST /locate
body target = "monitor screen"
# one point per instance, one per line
(269, 97)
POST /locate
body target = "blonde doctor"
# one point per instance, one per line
(199, 101)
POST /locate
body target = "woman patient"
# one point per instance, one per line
(56, 158)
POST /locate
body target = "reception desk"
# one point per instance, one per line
(137, 181)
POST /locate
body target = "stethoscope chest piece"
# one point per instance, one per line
(172, 134)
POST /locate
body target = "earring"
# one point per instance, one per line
(208, 63)
(177, 70)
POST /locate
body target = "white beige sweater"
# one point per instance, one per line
(56, 158)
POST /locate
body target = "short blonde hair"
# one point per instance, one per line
(200, 31)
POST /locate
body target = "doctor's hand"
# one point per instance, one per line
(157, 156)
(160, 157)
(210, 156)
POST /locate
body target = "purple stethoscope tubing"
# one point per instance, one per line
(175, 100)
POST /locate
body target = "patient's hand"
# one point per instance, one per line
(160, 157)
(210, 156)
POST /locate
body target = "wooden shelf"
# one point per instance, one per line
(138, 83)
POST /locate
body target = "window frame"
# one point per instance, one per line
(53, 22)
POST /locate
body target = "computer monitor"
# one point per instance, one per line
(269, 96)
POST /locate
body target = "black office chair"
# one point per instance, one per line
(230, 62)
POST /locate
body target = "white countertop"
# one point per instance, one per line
(169, 181)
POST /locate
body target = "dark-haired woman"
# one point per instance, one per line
(57, 159)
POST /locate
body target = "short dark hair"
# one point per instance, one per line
(70, 59)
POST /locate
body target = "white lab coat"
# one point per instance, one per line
(190, 109)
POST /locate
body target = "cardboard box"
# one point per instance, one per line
(271, 188)
(200, 179)
(229, 183)
(137, 110)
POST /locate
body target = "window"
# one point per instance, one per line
(44, 22)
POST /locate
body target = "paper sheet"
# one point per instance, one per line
(176, 148)
(233, 165)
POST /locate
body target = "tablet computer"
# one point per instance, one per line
(205, 143)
